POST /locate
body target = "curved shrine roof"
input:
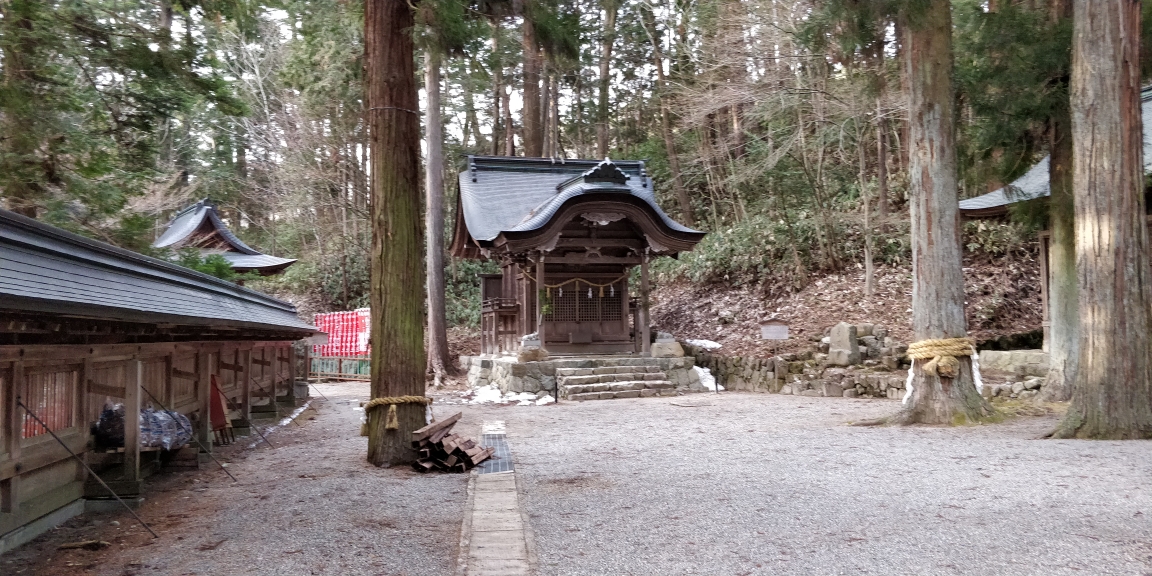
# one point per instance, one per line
(501, 195)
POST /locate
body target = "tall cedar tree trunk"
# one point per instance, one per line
(1064, 320)
(434, 221)
(530, 115)
(938, 278)
(397, 291)
(688, 216)
(608, 31)
(1112, 397)
(498, 126)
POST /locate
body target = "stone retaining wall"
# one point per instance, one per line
(803, 374)
(510, 375)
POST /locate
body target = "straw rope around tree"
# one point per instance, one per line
(941, 354)
(391, 401)
(549, 287)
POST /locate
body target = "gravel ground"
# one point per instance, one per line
(769, 484)
(310, 506)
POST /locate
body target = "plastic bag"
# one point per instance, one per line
(110, 427)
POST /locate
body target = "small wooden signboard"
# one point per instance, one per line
(773, 329)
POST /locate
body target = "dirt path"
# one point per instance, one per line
(312, 505)
(734, 483)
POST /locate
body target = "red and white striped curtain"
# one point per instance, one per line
(347, 333)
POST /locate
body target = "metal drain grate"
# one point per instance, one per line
(501, 461)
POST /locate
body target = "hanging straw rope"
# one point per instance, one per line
(941, 354)
(391, 401)
(590, 284)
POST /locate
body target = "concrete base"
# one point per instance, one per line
(100, 505)
(31, 530)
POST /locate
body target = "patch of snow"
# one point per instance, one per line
(976, 374)
(284, 422)
(908, 386)
(545, 400)
(490, 394)
(705, 344)
(486, 395)
(706, 378)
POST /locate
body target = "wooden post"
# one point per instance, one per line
(84, 406)
(204, 399)
(246, 386)
(132, 419)
(10, 488)
(291, 373)
(540, 302)
(646, 340)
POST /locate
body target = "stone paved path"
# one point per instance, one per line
(495, 533)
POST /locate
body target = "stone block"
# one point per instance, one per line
(843, 357)
(648, 392)
(890, 362)
(851, 393)
(1028, 394)
(1017, 387)
(667, 350)
(786, 389)
(879, 332)
(569, 380)
(844, 337)
(795, 367)
(652, 376)
(831, 389)
(607, 395)
(662, 385)
(895, 393)
(604, 370)
(863, 330)
(628, 393)
(1033, 383)
(584, 396)
(519, 369)
(810, 393)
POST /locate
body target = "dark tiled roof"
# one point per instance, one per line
(506, 194)
(1034, 183)
(195, 218)
(47, 270)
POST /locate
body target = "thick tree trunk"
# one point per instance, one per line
(938, 278)
(1063, 312)
(434, 222)
(530, 116)
(608, 36)
(1063, 306)
(397, 277)
(1112, 396)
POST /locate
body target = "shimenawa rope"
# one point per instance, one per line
(549, 287)
(391, 423)
(941, 354)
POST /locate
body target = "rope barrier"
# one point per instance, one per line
(391, 401)
(590, 284)
(941, 354)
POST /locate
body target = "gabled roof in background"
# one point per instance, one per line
(47, 270)
(500, 194)
(199, 225)
(1034, 183)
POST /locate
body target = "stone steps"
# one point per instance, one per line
(636, 379)
(610, 390)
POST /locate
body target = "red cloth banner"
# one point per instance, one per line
(347, 333)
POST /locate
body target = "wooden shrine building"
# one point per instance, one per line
(200, 226)
(567, 235)
(83, 323)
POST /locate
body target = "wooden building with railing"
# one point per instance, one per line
(83, 323)
(567, 235)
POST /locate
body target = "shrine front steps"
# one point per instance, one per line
(608, 382)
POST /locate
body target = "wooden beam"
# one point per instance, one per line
(95, 387)
(132, 387)
(646, 343)
(10, 487)
(246, 386)
(599, 243)
(262, 362)
(184, 374)
(431, 429)
(204, 400)
(625, 260)
(233, 367)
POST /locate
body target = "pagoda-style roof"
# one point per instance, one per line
(515, 205)
(200, 226)
(53, 274)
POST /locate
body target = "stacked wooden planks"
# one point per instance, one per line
(438, 448)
